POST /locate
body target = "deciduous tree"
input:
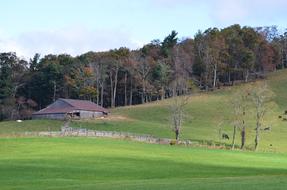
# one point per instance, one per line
(261, 96)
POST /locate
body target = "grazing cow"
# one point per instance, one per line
(267, 129)
(225, 136)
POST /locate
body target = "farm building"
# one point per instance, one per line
(70, 108)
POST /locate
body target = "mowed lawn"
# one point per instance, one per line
(94, 163)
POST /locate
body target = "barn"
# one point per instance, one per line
(70, 108)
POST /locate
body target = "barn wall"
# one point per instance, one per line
(90, 114)
(60, 116)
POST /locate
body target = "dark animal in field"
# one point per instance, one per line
(172, 142)
(267, 129)
(285, 112)
(225, 136)
(280, 116)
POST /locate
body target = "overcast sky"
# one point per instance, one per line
(78, 26)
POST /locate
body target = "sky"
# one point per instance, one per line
(78, 26)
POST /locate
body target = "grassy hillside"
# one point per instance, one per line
(89, 163)
(13, 127)
(96, 163)
(204, 113)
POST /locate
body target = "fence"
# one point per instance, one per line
(80, 132)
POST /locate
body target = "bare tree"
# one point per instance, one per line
(239, 102)
(177, 107)
(113, 75)
(236, 118)
(219, 128)
(261, 97)
(143, 69)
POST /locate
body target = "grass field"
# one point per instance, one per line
(95, 163)
(88, 163)
(203, 115)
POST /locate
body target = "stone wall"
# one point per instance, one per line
(76, 132)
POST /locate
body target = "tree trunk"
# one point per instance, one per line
(55, 89)
(243, 137)
(112, 88)
(214, 75)
(131, 92)
(162, 93)
(126, 98)
(257, 135)
(282, 59)
(12, 115)
(206, 81)
(243, 131)
(98, 97)
(98, 94)
(246, 75)
(143, 93)
(115, 87)
(102, 94)
(233, 137)
(177, 134)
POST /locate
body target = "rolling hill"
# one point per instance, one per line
(205, 113)
(99, 163)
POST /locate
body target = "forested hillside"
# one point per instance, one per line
(158, 70)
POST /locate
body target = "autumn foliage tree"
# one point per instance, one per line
(158, 70)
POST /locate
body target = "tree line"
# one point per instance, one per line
(158, 70)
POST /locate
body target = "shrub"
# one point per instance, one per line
(173, 142)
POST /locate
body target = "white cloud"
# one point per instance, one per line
(72, 40)
(222, 13)
(146, 20)
(226, 12)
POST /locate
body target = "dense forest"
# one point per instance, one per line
(158, 70)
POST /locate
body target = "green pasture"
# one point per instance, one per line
(93, 163)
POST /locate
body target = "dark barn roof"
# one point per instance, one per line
(69, 105)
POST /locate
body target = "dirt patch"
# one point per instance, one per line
(114, 118)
